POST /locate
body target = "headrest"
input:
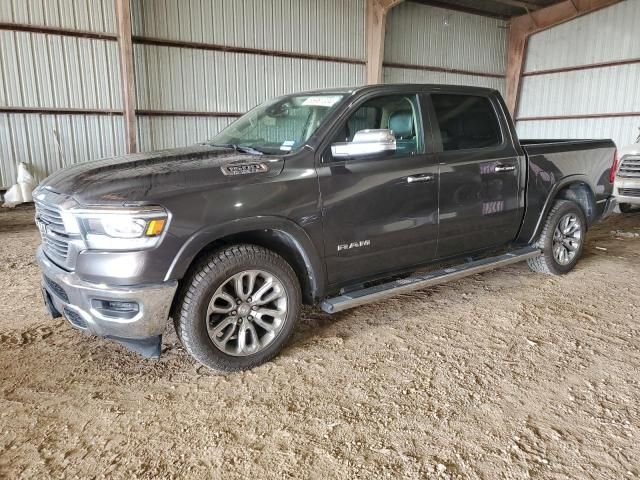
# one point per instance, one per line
(402, 124)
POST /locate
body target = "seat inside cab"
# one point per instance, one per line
(396, 112)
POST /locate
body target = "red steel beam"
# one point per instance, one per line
(429, 68)
(614, 63)
(67, 32)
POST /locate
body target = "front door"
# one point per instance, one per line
(380, 213)
(479, 173)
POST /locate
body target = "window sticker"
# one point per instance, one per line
(323, 101)
(287, 145)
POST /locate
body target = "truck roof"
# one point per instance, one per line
(394, 86)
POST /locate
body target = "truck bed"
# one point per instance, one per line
(553, 163)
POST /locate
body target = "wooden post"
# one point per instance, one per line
(522, 27)
(127, 74)
(375, 29)
(519, 29)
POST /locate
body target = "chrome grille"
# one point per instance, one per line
(56, 244)
(629, 192)
(629, 166)
(51, 216)
(55, 240)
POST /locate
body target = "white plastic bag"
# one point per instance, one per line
(25, 189)
(23, 174)
(21, 191)
(13, 196)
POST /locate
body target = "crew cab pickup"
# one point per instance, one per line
(331, 197)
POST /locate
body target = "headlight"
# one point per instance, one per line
(122, 229)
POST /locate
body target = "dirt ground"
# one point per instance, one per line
(508, 374)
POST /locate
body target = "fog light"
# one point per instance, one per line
(116, 308)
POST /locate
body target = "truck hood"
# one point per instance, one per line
(153, 175)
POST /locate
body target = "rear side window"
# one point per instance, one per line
(466, 121)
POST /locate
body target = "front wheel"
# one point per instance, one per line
(239, 308)
(562, 239)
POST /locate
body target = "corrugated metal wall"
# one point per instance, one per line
(41, 70)
(89, 15)
(50, 142)
(426, 36)
(269, 40)
(171, 78)
(51, 71)
(608, 35)
(206, 80)
(327, 27)
(156, 132)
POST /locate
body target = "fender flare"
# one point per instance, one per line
(295, 234)
(553, 195)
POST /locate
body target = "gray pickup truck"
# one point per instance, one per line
(332, 197)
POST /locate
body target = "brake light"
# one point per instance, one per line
(614, 167)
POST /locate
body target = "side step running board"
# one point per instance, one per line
(356, 298)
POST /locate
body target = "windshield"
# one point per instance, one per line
(280, 125)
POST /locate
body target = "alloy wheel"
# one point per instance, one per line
(247, 312)
(567, 239)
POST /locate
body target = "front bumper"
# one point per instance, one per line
(627, 185)
(72, 297)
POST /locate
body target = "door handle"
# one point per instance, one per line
(419, 178)
(504, 168)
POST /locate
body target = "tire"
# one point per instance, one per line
(208, 335)
(626, 207)
(548, 262)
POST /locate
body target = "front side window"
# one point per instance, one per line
(398, 113)
(281, 125)
(466, 122)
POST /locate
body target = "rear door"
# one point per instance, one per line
(479, 173)
(380, 213)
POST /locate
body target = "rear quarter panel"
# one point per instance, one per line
(554, 165)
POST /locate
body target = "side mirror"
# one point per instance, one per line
(365, 142)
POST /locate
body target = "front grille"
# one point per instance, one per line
(57, 289)
(629, 166)
(51, 216)
(56, 244)
(75, 318)
(629, 192)
(55, 240)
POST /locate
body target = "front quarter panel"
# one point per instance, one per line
(204, 213)
(288, 203)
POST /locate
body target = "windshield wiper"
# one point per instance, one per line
(239, 148)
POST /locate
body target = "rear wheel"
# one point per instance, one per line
(562, 239)
(239, 308)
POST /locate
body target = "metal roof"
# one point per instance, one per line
(504, 9)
